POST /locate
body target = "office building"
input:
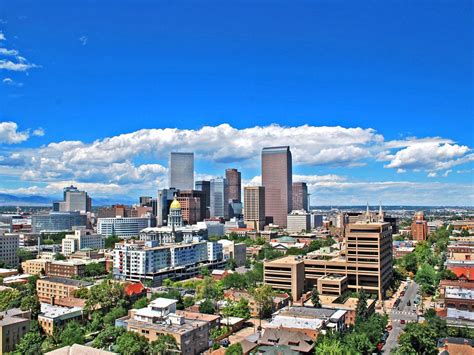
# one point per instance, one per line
(254, 207)
(181, 171)
(54, 268)
(81, 239)
(277, 180)
(9, 244)
(145, 201)
(57, 222)
(219, 199)
(205, 187)
(300, 196)
(298, 221)
(193, 205)
(123, 227)
(163, 202)
(234, 187)
(139, 261)
(73, 200)
(114, 211)
(235, 251)
(316, 220)
(14, 324)
(53, 317)
(366, 261)
(49, 289)
(160, 317)
(419, 227)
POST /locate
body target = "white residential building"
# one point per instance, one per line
(81, 239)
(125, 227)
(9, 244)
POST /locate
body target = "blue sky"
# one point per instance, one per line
(108, 79)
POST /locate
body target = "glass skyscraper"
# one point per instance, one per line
(181, 171)
(219, 199)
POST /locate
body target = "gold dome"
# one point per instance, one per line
(175, 205)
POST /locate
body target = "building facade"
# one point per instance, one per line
(81, 239)
(205, 187)
(14, 324)
(181, 171)
(50, 289)
(219, 199)
(123, 227)
(57, 221)
(419, 227)
(277, 180)
(300, 196)
(254, 207)
(234, 186)
(298, 221)
(9, 244)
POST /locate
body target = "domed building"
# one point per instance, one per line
(175, 217)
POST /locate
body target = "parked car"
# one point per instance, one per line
(403, 321)
(389, 327)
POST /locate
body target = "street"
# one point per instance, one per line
(403, 311)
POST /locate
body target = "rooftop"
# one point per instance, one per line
(77, 349)
(188, 326)
(12, 316)
(162, 302)
(290, 259)
(65, 281)
(459, 293)
(50, 311)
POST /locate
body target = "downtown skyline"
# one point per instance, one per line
(357, 132)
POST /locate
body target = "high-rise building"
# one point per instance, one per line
(233, 177)
(298, 221)
(219, 200)
(419, 227)
(145, 201)
(9, 244)
(277, 180)
(205, 187)
(300, 196)
(193, 205)
(254, 207)
(163, 202)
(181, 171)
(74, 200)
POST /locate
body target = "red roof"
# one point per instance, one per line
(463, 272)
(134, 289)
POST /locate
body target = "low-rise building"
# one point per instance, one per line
(124, 227)
(233, 250)
(459, 298)
(14, 324)
(81, 239)
(55, 317)
(9, 244)
(59, 268)
(280, 300)
(452, 345)
(50, 288)
(332, 284)
(160, 317)
(8, 272)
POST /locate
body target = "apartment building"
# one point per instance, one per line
(235, 251)
(57, 268)
(51, 288)
(9, 244)
(136, 261)
(81, 239)
(192, 335)
(54, 317)
(366, 260)
(125, 227)
(14, 324)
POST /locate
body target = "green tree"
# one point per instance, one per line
(140, 303)
(32, 304)
(30, 344)
(73, 333)
(188, 301)
(59, 256)
(208, 289)
(9, 299)
(315, 298)
(237, 309)
(358, 342)
(410, 263)
(107, 337)
(427, 278)
(231, 264)
(234, 349)
(115, 313)
(263, 297)
(82, 292)
(418, 338)
(165, 344)
(361, 309)
(95, 269)
(24, 255)
(106, 294)
(130, 343)
(331, 345)
(207, 307)
(205, 271)
(111, 240)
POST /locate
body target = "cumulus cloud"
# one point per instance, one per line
(12, 60)
(9, 133)
(39, 132)
(8, 52)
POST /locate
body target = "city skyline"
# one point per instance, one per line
(357, 131)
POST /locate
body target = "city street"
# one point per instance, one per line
(402, 312)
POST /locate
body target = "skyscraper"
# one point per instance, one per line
(205, 187)
(73, 200)
(277, 180)
(181, 171)
(300, 196)
(219, 200)
(234, 186)
(254, 207)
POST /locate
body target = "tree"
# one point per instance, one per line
(205, 271)
(106, 294)
(82, 292)
(410, 263)
(9, 299)
(116, 312)
(331, 345)
(208, 289)
(207, 307)
(237, 309)
(73, 333)
(95, 269)
(163, 345)
(32, 304)
(361, 309)
(446, 274)
(263, 297)
(231, 264)
(188, 301)
(140, 303)
(24, 255)
(107, 337)
(130, 343)
(59, 256)
(234, 349)
(358, 342)
(110, 241)
(418, 339)
(427, 278)
(30, 344)
(315, 298)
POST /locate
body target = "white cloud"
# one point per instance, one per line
(9, 133)
(2, 36)
(447, 172)
(17, 63)
(39, 132)
(9, 65)
(8, 52)
(11, 82)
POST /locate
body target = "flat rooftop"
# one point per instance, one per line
(459, 293)
(188, 326)
(65, 281)
(50, 311)
(290, 259)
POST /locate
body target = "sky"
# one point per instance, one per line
(375, 98)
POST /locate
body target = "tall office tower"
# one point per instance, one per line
(277, 180)
(181, 167)
(73, 200)
(219, 200)
(419, 227)
(163, 202)
(234, 186)
(205, 187)
(193, 205)
(300, 196)
(254, 207)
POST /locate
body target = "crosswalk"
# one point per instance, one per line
(404, 313)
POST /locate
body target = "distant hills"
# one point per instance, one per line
(36, 200)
